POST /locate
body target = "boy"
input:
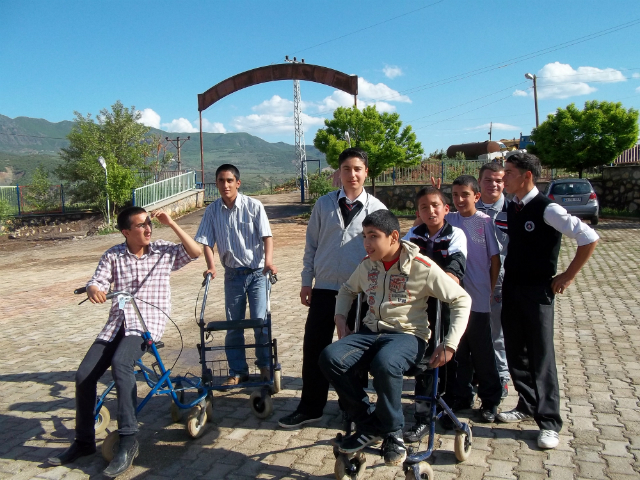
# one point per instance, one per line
(331, 253)
(475, 352)
(536, 226)
(493, 203)
(239, 226)
(398, 282)
(140, 267)
(447, 247)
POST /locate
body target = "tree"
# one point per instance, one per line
(577, 139)
(121, 141)
(379, 134)
(40, 195)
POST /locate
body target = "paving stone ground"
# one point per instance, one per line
(44, 335)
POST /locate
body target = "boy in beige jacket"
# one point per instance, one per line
(397, 281)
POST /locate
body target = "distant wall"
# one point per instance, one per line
(621, 188)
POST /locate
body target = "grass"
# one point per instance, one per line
(107, 230)
(403, 213)
(619, 213)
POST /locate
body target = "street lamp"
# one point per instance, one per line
(106, 182)
(529, 76)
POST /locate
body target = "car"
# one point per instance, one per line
(577, 196)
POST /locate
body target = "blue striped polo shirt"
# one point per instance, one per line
(237, 232)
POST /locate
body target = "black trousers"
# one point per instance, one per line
(318, 334)
(121, 355)
(475, 354)
(527, 323)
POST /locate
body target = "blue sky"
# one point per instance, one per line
(448, 67)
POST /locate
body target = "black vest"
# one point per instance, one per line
(534, 246)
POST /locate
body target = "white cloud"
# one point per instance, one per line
(212, 127)
(149, 118)
(496, 126)
(392, 71)
(276, 105)
(560, 80)
(636, 75)
(638, 89)
(269, 123)
(520, 93)
(182, 125)
(379, 91)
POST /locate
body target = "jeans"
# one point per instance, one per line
(496, 334)
(387, 355)
(475, 353)
(527, 321)
(121, 355)
(241, 284)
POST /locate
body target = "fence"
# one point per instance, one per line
(30, 200)
(163, 190)
(631, 155)
(211, 192)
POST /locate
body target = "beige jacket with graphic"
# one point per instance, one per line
(397, 298)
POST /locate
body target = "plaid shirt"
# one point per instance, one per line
(127, 272)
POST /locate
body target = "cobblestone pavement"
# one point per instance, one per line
(45, 334)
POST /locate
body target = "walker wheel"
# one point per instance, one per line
(102, 420)
(176, 412)
(350, 467)
(194, 428)
(209, 407)
(462, 445)
(110, 446)
(426, 472)
(261, 407)
(277, 381)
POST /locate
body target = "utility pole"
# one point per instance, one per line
(301, 154)
(178, 143)
(490, 129)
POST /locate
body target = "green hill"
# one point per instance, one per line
(26, 142)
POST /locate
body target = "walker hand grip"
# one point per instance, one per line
(79, 291)
(110, 295)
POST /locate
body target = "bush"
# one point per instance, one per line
(320, 184)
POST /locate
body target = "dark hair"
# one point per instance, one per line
(493, 167)
(382, 220)
(467, 181)
(124, 217)
(353, 152)
(424, 191)
(227, 167)
(526, 162)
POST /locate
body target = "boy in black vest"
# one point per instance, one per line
(536, 226)
(446, 245)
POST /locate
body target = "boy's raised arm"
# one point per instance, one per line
(190, 245)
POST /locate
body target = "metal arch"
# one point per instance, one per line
(272, 73)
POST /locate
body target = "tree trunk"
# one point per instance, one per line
(580, 172)
(373, 185)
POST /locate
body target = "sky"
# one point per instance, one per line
(450, 68)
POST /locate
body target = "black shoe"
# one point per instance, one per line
(417, 432)
(74, 452)
(297, 419)
(394, 450)
(357, 441)
(488, 413)
(122, 460)
(505, 388)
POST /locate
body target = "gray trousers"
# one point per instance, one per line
(497, 335)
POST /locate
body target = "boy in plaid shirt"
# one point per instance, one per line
(142, 268)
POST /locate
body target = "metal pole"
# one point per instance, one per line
(535, 98)
(201, 153)
(106, 184)
(179, 162)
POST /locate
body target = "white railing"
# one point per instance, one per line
(163, 190)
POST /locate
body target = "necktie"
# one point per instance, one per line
(519, 206)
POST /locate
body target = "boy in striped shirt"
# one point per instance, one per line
(239, 226)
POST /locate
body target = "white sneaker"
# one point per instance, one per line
(548, 439)
(512, 416)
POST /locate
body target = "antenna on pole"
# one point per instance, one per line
(301, 154)
(490, 129)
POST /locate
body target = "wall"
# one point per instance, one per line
(621, 188)
(184, 202)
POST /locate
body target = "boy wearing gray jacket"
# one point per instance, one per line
(332, 252)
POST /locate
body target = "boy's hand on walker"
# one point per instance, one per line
(270, 268)
(341, 324)
(96, 295)
(212, 271)
(305, 296)
(441, 356)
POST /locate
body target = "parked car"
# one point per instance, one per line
(577, 196)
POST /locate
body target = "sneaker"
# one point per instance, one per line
(548, 439)
(394, 450)
(513, 416)
(505, 388)
(357, 441)
(417, 432)
(297, 419)
(488, 414)
(235, 380)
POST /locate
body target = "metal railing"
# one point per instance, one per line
(211, 193)
(10, 200)
(163, 190)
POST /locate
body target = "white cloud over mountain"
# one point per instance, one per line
(151, 119)
(561, 80)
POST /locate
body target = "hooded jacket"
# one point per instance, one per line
(397, 298)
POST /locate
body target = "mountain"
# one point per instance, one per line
(26, 142)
